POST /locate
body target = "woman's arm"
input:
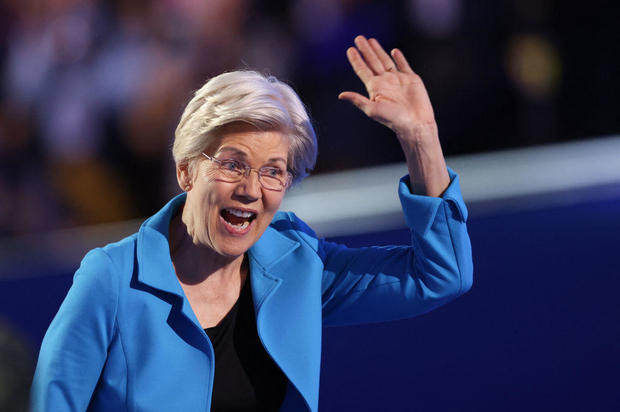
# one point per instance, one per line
(376, 284)
(384, 283)
(398, 99)
(75, 346)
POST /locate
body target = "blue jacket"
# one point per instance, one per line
(126, 339)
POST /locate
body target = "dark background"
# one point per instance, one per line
(91, 90)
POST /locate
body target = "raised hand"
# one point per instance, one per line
(396, 94)
(398, 99)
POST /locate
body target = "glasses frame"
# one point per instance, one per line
(248, 170)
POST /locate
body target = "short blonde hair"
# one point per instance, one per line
(246, 97)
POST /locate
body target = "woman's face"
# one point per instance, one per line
(229, 217)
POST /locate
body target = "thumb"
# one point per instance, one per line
(359, 101)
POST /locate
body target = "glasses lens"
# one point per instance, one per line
(273, 178)
(271, 183)
(231, 169)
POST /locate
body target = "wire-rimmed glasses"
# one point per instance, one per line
(269, 177)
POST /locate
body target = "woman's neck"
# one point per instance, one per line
(195, 263)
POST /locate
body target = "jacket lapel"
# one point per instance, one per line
(268, 250)
(155, 268)
(288, 311)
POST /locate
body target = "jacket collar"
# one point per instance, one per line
(153, 250)
(155, 263)
(271, 247)
(264, 255)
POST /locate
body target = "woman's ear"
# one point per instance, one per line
(184, 177)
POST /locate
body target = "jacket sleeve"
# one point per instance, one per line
(75, 346)
(377, 284)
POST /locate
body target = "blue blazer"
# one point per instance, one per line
(126, 339)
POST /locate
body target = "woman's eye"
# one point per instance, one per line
(231, 165)
(273, 172)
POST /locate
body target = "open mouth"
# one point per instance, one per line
(239, 219)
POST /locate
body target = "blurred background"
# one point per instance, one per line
(91, 91)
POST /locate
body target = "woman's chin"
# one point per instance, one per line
(235, 240)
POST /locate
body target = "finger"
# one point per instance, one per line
(359, 65)
(361, 102)
(401, 61)
(369, 55)
(386, 60)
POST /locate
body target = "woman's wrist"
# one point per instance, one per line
(416, 134)
(428, 172)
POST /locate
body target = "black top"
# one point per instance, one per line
(246, 378)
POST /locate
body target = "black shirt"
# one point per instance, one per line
(246, 378)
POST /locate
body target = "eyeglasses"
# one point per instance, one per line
(269, 177)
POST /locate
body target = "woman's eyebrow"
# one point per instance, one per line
(278, 159)
(232, 150)
(239, 152)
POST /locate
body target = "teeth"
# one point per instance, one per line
(241, 226)
(240, 213)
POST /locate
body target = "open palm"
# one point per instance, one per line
(397, 97)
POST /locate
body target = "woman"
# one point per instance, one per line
(218, 301)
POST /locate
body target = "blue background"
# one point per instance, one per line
(538, 331)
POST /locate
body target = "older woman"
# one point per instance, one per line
(217, 303)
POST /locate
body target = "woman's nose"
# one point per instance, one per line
(250, 186)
